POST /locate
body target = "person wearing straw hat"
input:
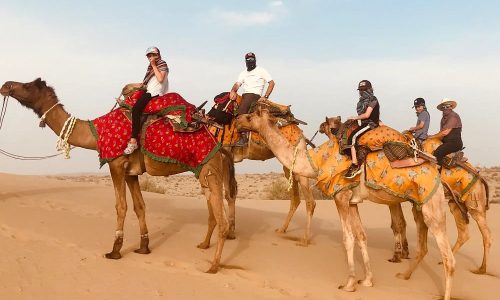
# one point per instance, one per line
(156, 83)
(420, 130)
(450, 132)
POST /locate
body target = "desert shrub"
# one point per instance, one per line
(154, 184)
(278, 191)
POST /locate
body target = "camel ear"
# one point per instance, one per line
(340, 119)
(326, 119)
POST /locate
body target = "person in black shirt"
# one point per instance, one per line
(368, 110)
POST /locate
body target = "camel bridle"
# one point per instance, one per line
(42, 122)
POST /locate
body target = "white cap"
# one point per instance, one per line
(153, 50)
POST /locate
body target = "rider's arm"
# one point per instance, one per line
(420, 125)
(441, 134)
(270, 88)
(234, 89)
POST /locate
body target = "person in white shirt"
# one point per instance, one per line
(156, 83)
(253, 80)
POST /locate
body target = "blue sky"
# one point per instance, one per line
(317, 52)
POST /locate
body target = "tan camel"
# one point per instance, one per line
(216, 174)
(431, 216)
(257, 151)
(476, 204)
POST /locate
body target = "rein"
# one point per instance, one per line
(4, 110)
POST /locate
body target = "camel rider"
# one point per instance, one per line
(253, 80)
(423, 120)
(368, 110)
(156, 83)
(450, 132)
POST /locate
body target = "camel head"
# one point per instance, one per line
(331, 126)
(31, 94)
(255, 120)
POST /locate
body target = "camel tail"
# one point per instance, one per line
(487, 188)
(231, 180)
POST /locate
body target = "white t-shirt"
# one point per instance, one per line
(154, 87)
(254, 81)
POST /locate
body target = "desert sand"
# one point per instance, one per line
(54, 231)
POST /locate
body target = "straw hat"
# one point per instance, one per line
(447, 102)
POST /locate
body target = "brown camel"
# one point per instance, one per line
(216, 175)
(258, 151)
(476, 204)
(431, 215)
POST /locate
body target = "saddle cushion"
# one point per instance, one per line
(416, 184)
(171, 103)
(459, 179)
(159, 141)
(377, 137)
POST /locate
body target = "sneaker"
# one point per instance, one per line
(352, 171)
(131, 147)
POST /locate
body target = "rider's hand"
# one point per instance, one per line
(232, 95)
(352, 118)
(261, 100)
(152, 60)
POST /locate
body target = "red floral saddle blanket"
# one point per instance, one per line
(158, 140)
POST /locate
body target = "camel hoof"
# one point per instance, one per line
(479, 271)
(143, 250)
(403, 276)
(303, 243)
(280, 230)
(212, 270)
(347, 289)
(113, 255)
(231, 236)
(395, 259)
(366, 282)
(203, 245)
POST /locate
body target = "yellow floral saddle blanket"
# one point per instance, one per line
(416, 184)
(460, 180)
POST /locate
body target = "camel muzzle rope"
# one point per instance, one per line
(4, 110)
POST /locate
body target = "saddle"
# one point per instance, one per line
(454, 159)
(224, 110)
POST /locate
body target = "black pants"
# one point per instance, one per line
(446, 148)
(247, 100)
(137, 113)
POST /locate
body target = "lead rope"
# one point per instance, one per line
(62, 143)
(4, 109)
(290, 178)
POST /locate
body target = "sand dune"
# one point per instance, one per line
(54, 232)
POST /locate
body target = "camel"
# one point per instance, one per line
(476, 204)
(216, 176)
(258, 151)
(430, 215)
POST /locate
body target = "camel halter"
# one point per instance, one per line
(42, 118)
(62, 143)
(4, 109)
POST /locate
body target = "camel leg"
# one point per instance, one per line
(230, 192)
(422, 243)
(294, 203)
(361, 239)
(213, 182)
(140, 211)
(211, 222)
(398, 225)
(462, 228)
(117, 170)
(342, 203)
(479, 215)
(310, 206)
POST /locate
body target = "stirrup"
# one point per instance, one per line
(131, 147)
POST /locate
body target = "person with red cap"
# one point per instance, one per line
(156, 83)
(368, 110)
(253, 80)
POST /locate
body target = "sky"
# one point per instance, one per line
(316, 51)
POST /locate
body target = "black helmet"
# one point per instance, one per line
(418, 102)
(364, 85)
